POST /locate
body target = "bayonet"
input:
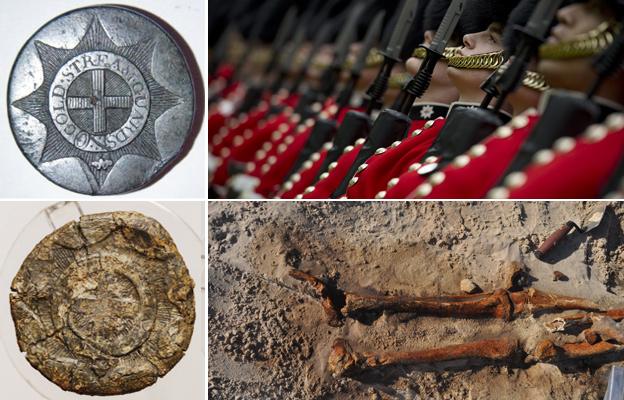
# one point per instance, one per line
(347, 35)
(391, 54)
(465, 127)
(391, 124)
(263, 17)
(372, 35)
(417, 86)
(402, 28)
(284, 32)
(325, 128)
(255, 91)
(321, 37)
(532, 35)
(220, 50)
(288, 59)
(447, 27)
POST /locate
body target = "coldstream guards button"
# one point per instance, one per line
(104, 305)
(103, 100)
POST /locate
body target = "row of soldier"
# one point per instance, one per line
(423, 99)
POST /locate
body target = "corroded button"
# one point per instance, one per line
(105, 297)
(102, 100)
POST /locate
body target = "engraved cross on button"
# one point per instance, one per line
(98, 101)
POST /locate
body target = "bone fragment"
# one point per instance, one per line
(548, 351)
(581, 320)
(497, 304)
(344, 361)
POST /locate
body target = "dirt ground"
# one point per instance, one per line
(269, 337)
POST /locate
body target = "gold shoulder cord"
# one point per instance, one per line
(585, 45)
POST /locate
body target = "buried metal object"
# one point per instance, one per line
(103, 100)
(104, 305)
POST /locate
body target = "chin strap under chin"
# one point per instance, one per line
(494, 60)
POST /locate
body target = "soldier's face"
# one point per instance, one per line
(468, 81)
(575, 74)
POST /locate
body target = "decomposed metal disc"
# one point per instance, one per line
(104, 305)
(102, 100)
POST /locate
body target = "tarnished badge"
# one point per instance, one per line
(103, 99)
(104, 305)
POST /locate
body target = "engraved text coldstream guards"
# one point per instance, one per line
(98, 101)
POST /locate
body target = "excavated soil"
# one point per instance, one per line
(269, 337)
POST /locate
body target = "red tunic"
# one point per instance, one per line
(330, 180)
(373, 176)
(226, 135)
(300, 181)
(245, 151)
(472, 174)
(277, 165)
(475, 172)
(576, 168)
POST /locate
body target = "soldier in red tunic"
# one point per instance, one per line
(434, 104)
(585, 165)
(482, 52)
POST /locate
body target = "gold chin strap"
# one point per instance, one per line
(494, 60)
(491, 60)
(584, 45)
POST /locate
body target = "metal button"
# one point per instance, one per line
(461, 161)
(498, 193)
(477, 150)
(423, 189)
(427, 168)
(615, 122)
(515, 180)
(595, 133)
(111, 82)
(564, 144)
(504, 132)
(414, 167)
(543, 157)
(437, 178)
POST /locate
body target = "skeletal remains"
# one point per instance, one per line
(601, 333)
